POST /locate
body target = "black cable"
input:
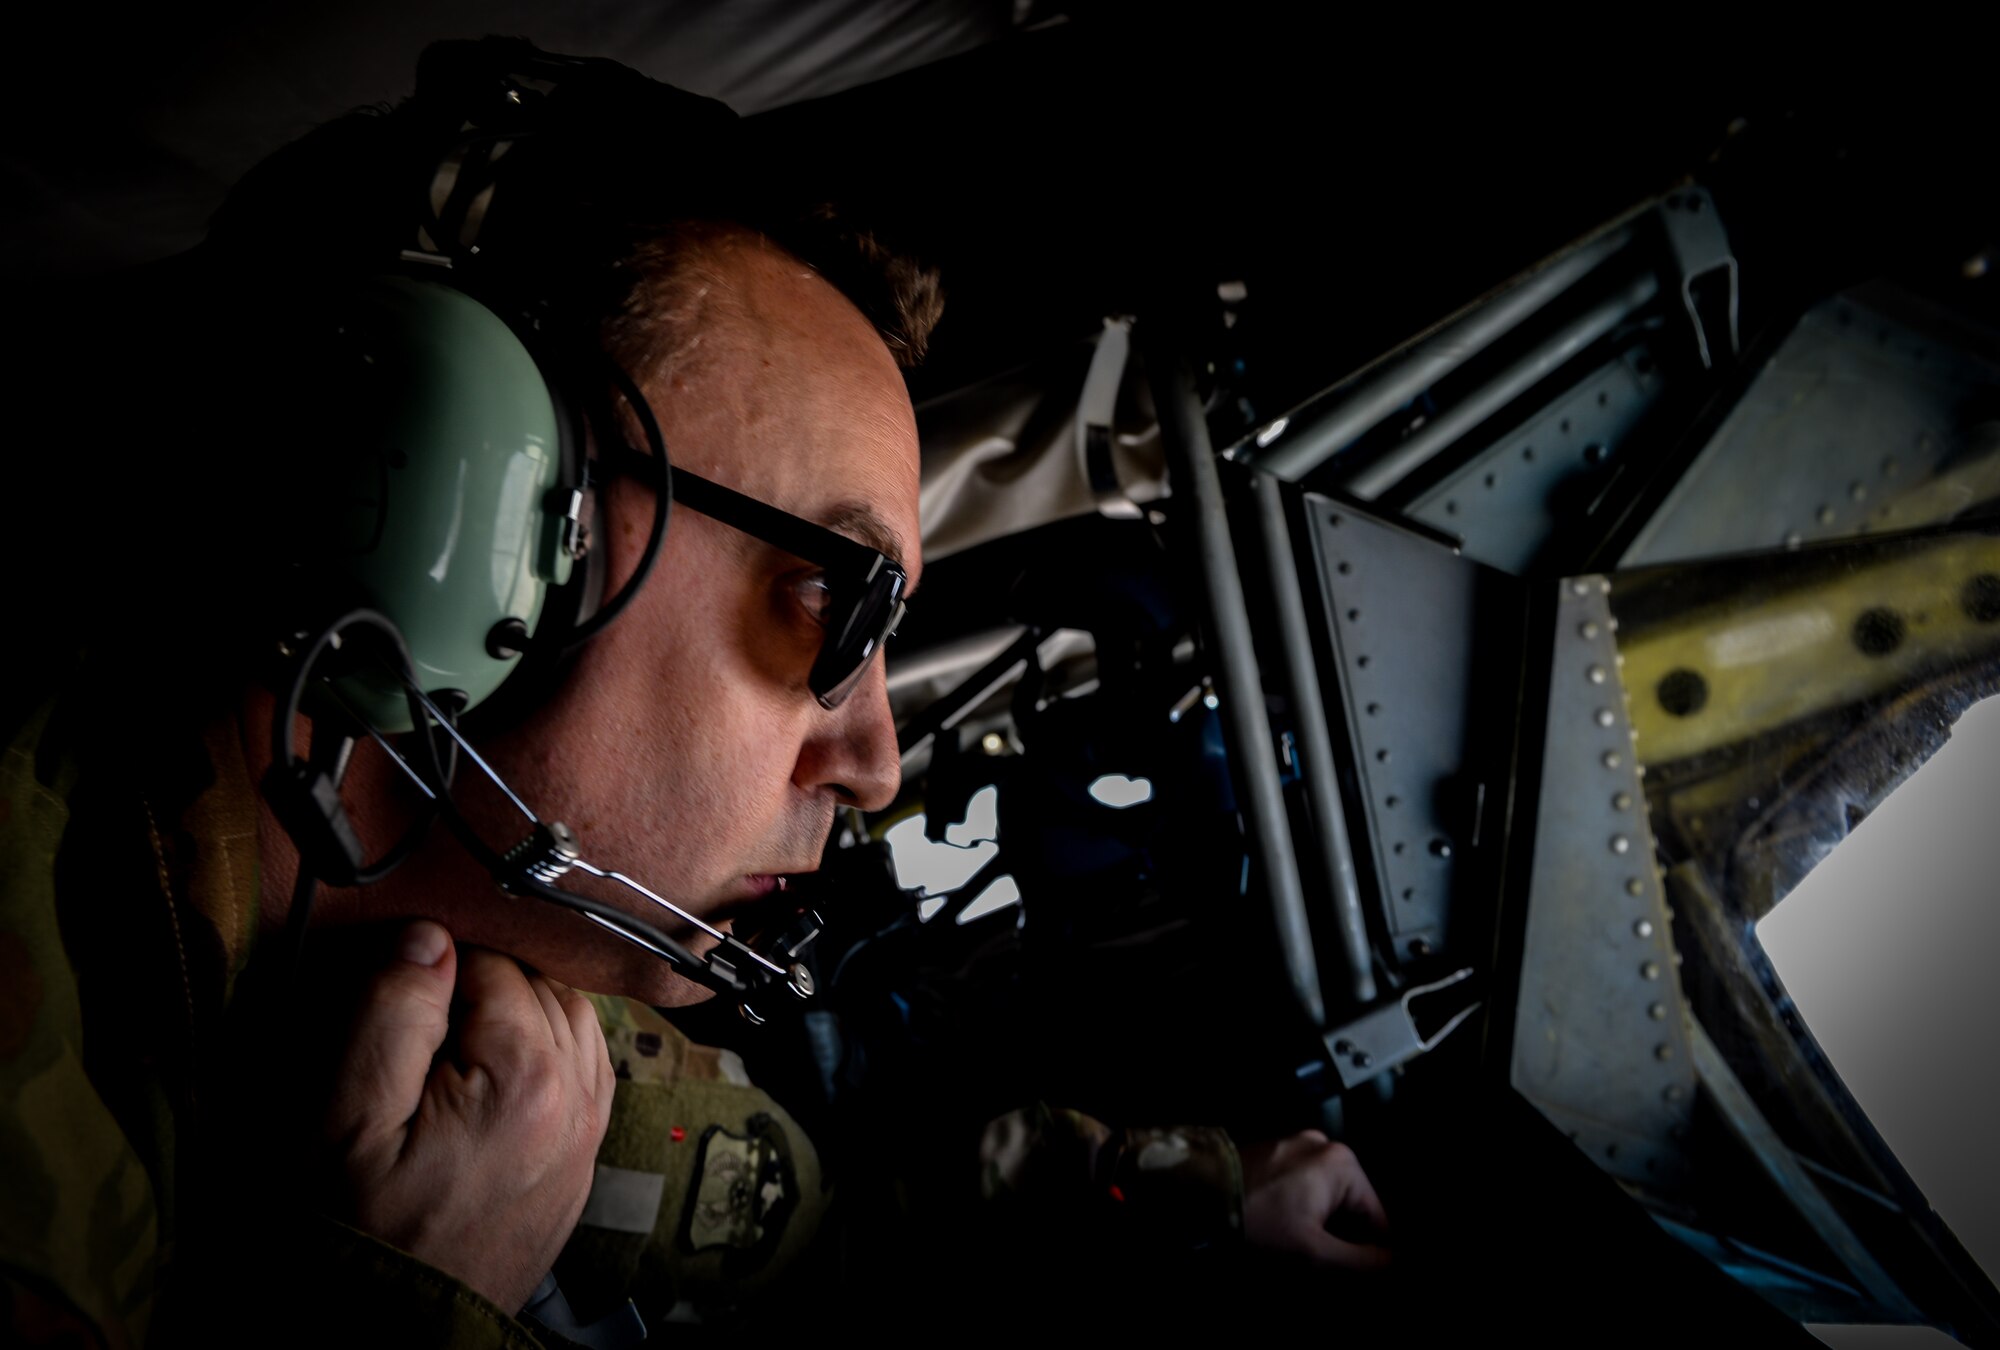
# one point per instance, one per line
(284, 719)
(664, 487)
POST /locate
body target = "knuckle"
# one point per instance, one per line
(1338, 1154)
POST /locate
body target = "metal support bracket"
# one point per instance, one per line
(1095, 411)
(1700, 251)
(1388, 1035)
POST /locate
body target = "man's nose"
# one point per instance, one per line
(853, 750)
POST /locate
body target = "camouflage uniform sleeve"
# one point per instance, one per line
(303, 1279)
(1181, 1186)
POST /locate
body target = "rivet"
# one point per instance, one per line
(1634, 886)
(1658, 1012)
(1673, 1092)
(1793, 539)
(1579, 587)
(1858, 491)
(1620, 844)
(1650, 970)
(1589, 629)
(1621, 801)
(1604, 588)
(1596, 674)
(1643, 928)
(1825, 515)
(1606, 717)
(1663, 1051)
(1612, 759)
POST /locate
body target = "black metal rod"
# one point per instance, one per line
(1350, 408)
(946, 712)
(1372, 480)
(1191, 461)
(1343, 893)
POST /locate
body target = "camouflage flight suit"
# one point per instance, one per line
(128, 912)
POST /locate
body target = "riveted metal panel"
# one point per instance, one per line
(1872, 415)
(1601, 1032)
(1508, 501)
(1403, 611)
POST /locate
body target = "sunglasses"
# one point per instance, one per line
(864, 587)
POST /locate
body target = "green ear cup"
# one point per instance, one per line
(443, 506)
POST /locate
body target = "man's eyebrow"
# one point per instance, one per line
(861, 521)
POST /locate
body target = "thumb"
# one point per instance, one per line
(399, 1025)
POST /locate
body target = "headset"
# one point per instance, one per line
(447, 572)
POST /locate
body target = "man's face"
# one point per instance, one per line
(685, 748)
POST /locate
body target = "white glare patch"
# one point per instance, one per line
(934, 868)
(1272, 432)
(994, 898)
(1115, 789)
(981, 823)
(1885, 947)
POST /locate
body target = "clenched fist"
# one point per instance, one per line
(466, 1112)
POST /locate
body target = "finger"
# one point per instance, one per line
(1357, 1193)
(551, 1003)
(399, 1024)
(1339, 1254)
(500, 1020)
(581, 1015)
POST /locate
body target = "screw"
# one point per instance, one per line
(1651, 970)
(1596, 674)
(1663, 1051)
(1343, 1046)
(1634, 886)
(1621, 801)
(1858, 491)
(1658, 1012)
(1612, 759)
(1362, 1059)
(1620, 844)
(1579, 587)
(1605, 717)
(1673, 1094)
(1643, 928)
(1589, 628)
(1825, 515)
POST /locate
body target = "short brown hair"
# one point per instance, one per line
(900, 296)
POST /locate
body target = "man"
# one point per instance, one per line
(466, 1124)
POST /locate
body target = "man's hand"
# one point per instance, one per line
(477, 1160)
(1300, 1191)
